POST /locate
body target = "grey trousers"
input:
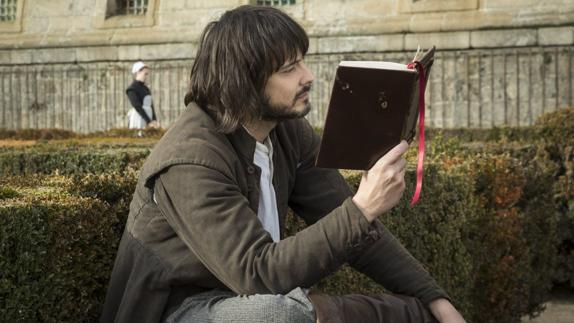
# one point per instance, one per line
(295, 307)
(225, 307)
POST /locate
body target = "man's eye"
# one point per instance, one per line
(289, 69)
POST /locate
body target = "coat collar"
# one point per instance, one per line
(193, 127)
(243, 143)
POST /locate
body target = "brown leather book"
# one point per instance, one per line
(373, 106)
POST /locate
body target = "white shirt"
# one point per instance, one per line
(267, 212)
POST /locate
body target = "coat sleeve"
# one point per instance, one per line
(317, 191)
(391, 265)
(137, 103)
(209, 213)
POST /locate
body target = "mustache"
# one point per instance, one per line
(303, 91)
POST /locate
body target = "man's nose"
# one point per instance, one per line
(308, 76)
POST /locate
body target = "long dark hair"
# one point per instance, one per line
(235, 58)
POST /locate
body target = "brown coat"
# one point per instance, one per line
(203, 232)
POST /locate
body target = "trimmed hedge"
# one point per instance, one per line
(69, 160)
(487, 226)
(550, 146)
(557, 132)
(483, 229)
(433, 231)
(54, 134)
(116, 189)
(56, 251)
(36, 134)
(437, 242)
(514, 244)
(444, 231)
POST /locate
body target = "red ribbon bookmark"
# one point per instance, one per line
(421, 155)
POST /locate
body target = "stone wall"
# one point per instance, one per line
(468, 88)
(498, 62)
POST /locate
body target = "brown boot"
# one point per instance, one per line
(357, 308)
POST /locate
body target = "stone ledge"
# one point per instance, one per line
(89, 54)
(97, 54)
(136, 36)
(169, 51)
(408, 6)
(53, 55)
(21, 56)
(326, 45)
(460, 40)
(556, 36)
(5, 57)
(503, 38)
(445, 40)
(127, 53)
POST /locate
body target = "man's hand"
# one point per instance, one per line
(153, 124)
(445, 312)
(383, 185)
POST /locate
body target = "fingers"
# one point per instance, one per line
(399, 168)
(400, 164)
(394, 154)
(383, 185)
(403, 170)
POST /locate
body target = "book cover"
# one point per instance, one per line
(373, 106)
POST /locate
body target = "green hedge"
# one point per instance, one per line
(433, 231)
(557, 132)
(515, 248)
(36, 134)
(486, 230)
(54, 134)
(56, 251)
(550, 145)
(69, 159)
(490, 219)
(446, 231)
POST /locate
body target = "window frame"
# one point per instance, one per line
(296, 10)
(294, 3)
(13, 26)
(103, 20)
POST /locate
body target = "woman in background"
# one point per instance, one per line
(142, 114)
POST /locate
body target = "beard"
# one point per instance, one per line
(281, 112)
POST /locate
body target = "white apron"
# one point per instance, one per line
(135, 121)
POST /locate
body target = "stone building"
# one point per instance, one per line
(65, 63)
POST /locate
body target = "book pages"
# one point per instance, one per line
(376, 65)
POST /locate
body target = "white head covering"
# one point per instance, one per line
(138, 66)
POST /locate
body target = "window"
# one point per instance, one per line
(11, 16)
(8, 9)
(124, 13)
(135, 7)
(126, 7)
(275, 2)
(293, 8)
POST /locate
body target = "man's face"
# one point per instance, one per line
(287, 92)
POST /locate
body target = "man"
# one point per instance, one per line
(142, 114)
(203, 239)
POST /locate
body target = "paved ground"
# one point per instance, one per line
(555, 313)
(560, 309)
